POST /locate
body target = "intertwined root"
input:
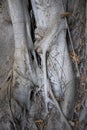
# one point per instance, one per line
(48, 91)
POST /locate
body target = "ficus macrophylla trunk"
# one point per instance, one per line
(54, 76)
(53, 41)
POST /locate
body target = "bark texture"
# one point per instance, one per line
(37, 79)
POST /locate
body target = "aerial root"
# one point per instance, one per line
(54, 102)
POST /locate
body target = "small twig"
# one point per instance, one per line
(9, 100)
(72, 45)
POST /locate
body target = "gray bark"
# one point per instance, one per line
(38, 82)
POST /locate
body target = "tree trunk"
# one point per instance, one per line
(38, 83)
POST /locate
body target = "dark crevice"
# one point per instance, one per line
(38, 59)
(32, 95)
(33, 27)
(32, 19)
(1, 6)
(32, 57)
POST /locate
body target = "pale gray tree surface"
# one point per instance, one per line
(43, 65)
